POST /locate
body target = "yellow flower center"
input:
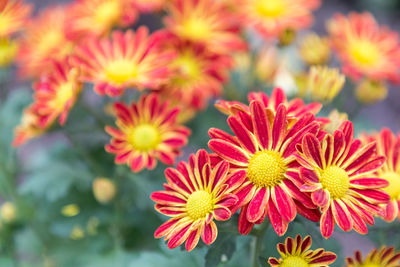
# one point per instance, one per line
(335, 180)
(266, 169)
(188, 68)
(195, 29)
(270, 8)
(144, 137)
(50, 40)
(364, 52)
(8, 50)
(120, 71)
(107, 12)
(5, 22)
(199, 204)
(394, 184)
(65, 92)
(294, 261)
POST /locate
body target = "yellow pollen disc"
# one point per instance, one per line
(266, 169)
(120, 71)
(64, 93)
(394, 184)
(188, 69)
(370, 265)
(144, 137)
(5, 22)
(50, 40)
(199, 204)
(270, 8)
(335, 180)
(294, 261)
(107, 12)
(364, 52)
(195, 29)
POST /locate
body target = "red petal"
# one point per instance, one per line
(327, 223)
(279, 225)
(261, 124)
(342, 215)
(229, 152)
(222, 214)
(257, 205)
(242, 134)
(284, 203)
(244, 226)
(320, 198)
(209, 233)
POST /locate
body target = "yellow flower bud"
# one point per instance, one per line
(287, 37)
(8, 212)
(70, 210)
(315, 50)
(336, 119)
(324, 83)
(104, 190)
(77, 233)
(267, 64)
(369, 92)
(92, 225)
(8, 50)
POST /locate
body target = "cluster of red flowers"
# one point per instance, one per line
(279, 160)
(281, 163)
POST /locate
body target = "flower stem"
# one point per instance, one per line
(257, 243)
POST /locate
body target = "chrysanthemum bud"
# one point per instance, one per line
(287, 37)
(336, 119)
(70, 210)
(77, 233)
(324, 83)
(315, 50)
(8, 212)
(267, 64)
(369, 92)
(104, 190)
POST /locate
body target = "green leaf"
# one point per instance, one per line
(221, 250)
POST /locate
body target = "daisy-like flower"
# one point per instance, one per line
(385, 256)
(13, 16)
(275, 18)
(55, 93)
(29, 127)
(339, 173)
(195, 195)
(147, 131)
(297, 252)
(125, 60)
(98, 17)
(295, 108)
(44, 41)
(264, 147)
(389, 145)
(148, 6)
(315, 50)
(365, 48)
(206, 22)
(197, 74)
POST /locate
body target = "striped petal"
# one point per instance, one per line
(229, 152)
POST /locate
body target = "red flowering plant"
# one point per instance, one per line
(197, 133)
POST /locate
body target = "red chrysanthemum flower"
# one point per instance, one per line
(206, 22)
(273, 17)
(297, 252)
(264, 147)
(13, 16)
(365, 48)
(29, 127)
(56, 93)
(43, 42)
(147, 131)
(339, 173)
(98, 17)
(389, 145)
(194, 196)
(148, 6)
(197, 74)
(126, 60)
(295, 108)
(383, 257)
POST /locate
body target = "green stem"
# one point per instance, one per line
(257, 243)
